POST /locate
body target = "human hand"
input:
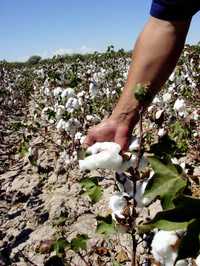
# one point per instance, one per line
(111, 129)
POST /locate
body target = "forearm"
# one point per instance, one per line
(154, 57)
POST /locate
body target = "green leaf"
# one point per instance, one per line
(186, 211)
(141, 92)
(80, 242)
(115, 263)
(59, 246)
(165, 147)
(105, 225)
(167, 220)
(190, 243)
(23, 149)
(94, 191)
(166, 183)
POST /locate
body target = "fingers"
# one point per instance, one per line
(89, 141)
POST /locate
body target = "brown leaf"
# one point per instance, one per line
(122, 256)
(102, 251)
(44, 246)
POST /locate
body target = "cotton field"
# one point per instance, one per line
(62, 204)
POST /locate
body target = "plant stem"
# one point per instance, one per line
(136, 176)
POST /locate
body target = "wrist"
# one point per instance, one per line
(127, 118)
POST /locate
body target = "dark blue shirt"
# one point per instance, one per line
(174, 9)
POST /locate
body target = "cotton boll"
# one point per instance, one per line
(134, 146)
(180, 106)
(182, 263)
(66, 93)
(60, 124)
(71, 126)
(172, 76)
(117, 204)
(195, 115)
(158, 114)
(198, 261)
(93, 89)
(72, 105)
(60, 109)
(150, 109)
(171, 88)
(78, 136)
(102, 160)
(93, 118)
(47, 91)
(163, 246)
(101, 146)
(161, 132)
(57, 92)
(166, 97)
(81, 94)
(156, 100)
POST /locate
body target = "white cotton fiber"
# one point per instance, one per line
(117, 204)
(101, 146)
(102, 160)
(163, 247)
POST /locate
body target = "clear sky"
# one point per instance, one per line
(45, 27)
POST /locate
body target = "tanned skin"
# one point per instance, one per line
(154, 57)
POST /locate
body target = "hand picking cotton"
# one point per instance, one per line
(105, 155)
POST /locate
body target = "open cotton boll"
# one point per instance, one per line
(195, 115)
(93, 89)
(47, 91)
(156, 100)
(66, 93)
(158, 114)
(93, 118)
(101, 146)
(103, 160)
(60, 124)
(134, 146)
(71, 126)
(57, 92)
(60, 109)
(150, 108)
(78, 136)
(172, 76)
(167, 97)
(179, 105)
(117, 204)
(161, 132)
(72, 104)
(182, 263)
(198, 261)
(163, 247)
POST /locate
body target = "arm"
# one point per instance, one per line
(155, 55)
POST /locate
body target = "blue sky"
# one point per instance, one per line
(45, 27)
